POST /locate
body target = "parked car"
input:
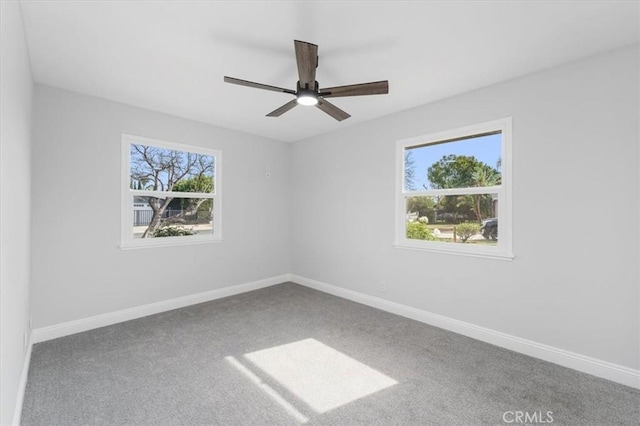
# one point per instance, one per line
(489, 229)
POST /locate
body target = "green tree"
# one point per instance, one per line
(452, 171)
(484, 176)
(424, 206)
(200, 183)
(192, 206)
(462, 171)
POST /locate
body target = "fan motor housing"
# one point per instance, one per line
(307, 97)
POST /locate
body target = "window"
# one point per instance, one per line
(170, 193)
(453, 191)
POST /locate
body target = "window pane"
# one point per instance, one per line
(172, 217)
(161, 169)
(463, 163)
(470, 219)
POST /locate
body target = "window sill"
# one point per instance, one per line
(152, 243)
(469, 253)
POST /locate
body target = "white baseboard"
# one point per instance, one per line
(22, 385)
(607, 370)
(85, 324)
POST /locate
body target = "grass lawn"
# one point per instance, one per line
(441, 226)
(481, 242)
(447, 228)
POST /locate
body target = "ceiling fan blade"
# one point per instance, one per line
(307, 59)
(332, 110)
(284, 108)
(374, 88)
(257, 85)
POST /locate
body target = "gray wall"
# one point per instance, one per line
(328, 211)
(78, 269)
(16, 87)
(574, 281)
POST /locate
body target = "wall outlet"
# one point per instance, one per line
(267, 171)
(383, 286)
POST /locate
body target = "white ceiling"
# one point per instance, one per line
(171, 56)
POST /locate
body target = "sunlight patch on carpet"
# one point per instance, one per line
(274, 395)
(319, 375)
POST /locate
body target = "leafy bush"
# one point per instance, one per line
(466, 230)
(173, 231)
(419, 231)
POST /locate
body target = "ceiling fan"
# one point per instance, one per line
(308, 92)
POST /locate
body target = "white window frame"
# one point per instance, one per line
(503, 249)
(127, 240)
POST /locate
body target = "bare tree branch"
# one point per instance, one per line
(163, 169)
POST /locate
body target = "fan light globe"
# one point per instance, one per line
(307, 100)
